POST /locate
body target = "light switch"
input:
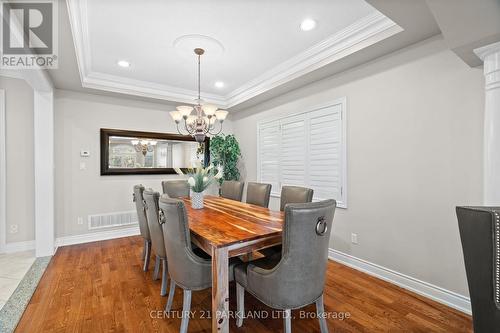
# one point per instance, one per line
(83, 166)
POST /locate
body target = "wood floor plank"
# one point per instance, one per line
(100, 287)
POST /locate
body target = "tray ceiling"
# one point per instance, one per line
(251, 46)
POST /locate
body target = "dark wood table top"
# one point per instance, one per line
(223, 222)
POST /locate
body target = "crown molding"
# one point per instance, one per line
(362, 33)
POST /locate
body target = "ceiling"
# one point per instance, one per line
(251, 46)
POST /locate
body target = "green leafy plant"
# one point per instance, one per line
(225, 152)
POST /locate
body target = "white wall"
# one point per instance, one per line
(19, 159)
(414, 136)
(78, 119)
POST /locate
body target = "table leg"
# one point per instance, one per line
(220, 290)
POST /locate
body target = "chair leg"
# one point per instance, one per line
(170, 296)
(240, 304)
(147, 255)
(157, 268)
(186, 308)
(320, 310)
(164, 277)
(288, 321)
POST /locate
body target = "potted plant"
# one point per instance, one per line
(225, 152)
(199, 180)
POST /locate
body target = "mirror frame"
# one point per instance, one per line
(106, 133)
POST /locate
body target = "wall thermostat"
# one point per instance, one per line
(84, 153)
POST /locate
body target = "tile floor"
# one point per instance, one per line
(13, 267)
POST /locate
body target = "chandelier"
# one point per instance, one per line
(203, 122)
(143, 146)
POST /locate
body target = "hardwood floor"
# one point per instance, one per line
(100, 287)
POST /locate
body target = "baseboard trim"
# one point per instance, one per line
(441, 295)
(18, 247)
(97, 236)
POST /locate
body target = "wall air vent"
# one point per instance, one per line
(116, 219)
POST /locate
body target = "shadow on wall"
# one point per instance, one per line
(379, 65)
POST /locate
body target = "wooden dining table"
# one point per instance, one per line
(227, 228)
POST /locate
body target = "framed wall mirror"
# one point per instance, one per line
(140, 153)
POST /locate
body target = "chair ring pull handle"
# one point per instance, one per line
(161, 214)
(321, 226)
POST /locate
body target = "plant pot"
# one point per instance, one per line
(197, 200)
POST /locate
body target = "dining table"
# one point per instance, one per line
(227, 228)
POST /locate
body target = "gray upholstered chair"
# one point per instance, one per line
(143, 224)
(232, 189)
(295, 194)
(297, 277)
(151, 201)
(175, 188)
(480, 235)
(290, 194)
(258, 194)
(189, 269)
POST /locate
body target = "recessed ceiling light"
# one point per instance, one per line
(219, 84)
(307, 25)
(123, 63)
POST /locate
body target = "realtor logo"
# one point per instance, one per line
(29, 34)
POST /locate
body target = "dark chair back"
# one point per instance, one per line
(185, 267)
(151, 198)
(175, 188)
(141, 211)
(232, 189)
(258, 194)
(480, 234)
(295, 194)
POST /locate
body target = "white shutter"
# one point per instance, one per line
(293, 151)
(306, 149)
(269, 151)
(325, 153)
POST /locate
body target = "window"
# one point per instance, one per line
(306, 149)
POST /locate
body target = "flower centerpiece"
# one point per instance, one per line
(199, 180)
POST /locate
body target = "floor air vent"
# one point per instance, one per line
(109, 220)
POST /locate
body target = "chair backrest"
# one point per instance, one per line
(480, 235)
(157, 243)
(141, 211)
(295, 194)
(232, 189)
(299, 277)
(258, 194)
(175, 188)
(186, 268)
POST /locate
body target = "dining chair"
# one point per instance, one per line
(175, 188)
(189, 269)
(232, 189)
(258, 194)
(143, 224)
(151, 201)
(289, 194)
(295, 194)
(297, 277)
(480, 235)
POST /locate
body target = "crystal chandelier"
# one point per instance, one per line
(206, 116)
(143, 146)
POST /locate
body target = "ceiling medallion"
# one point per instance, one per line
(206, 116)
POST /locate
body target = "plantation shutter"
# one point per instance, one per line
(293, 151)
(269, 151)
(307, 149)
(325, 153)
